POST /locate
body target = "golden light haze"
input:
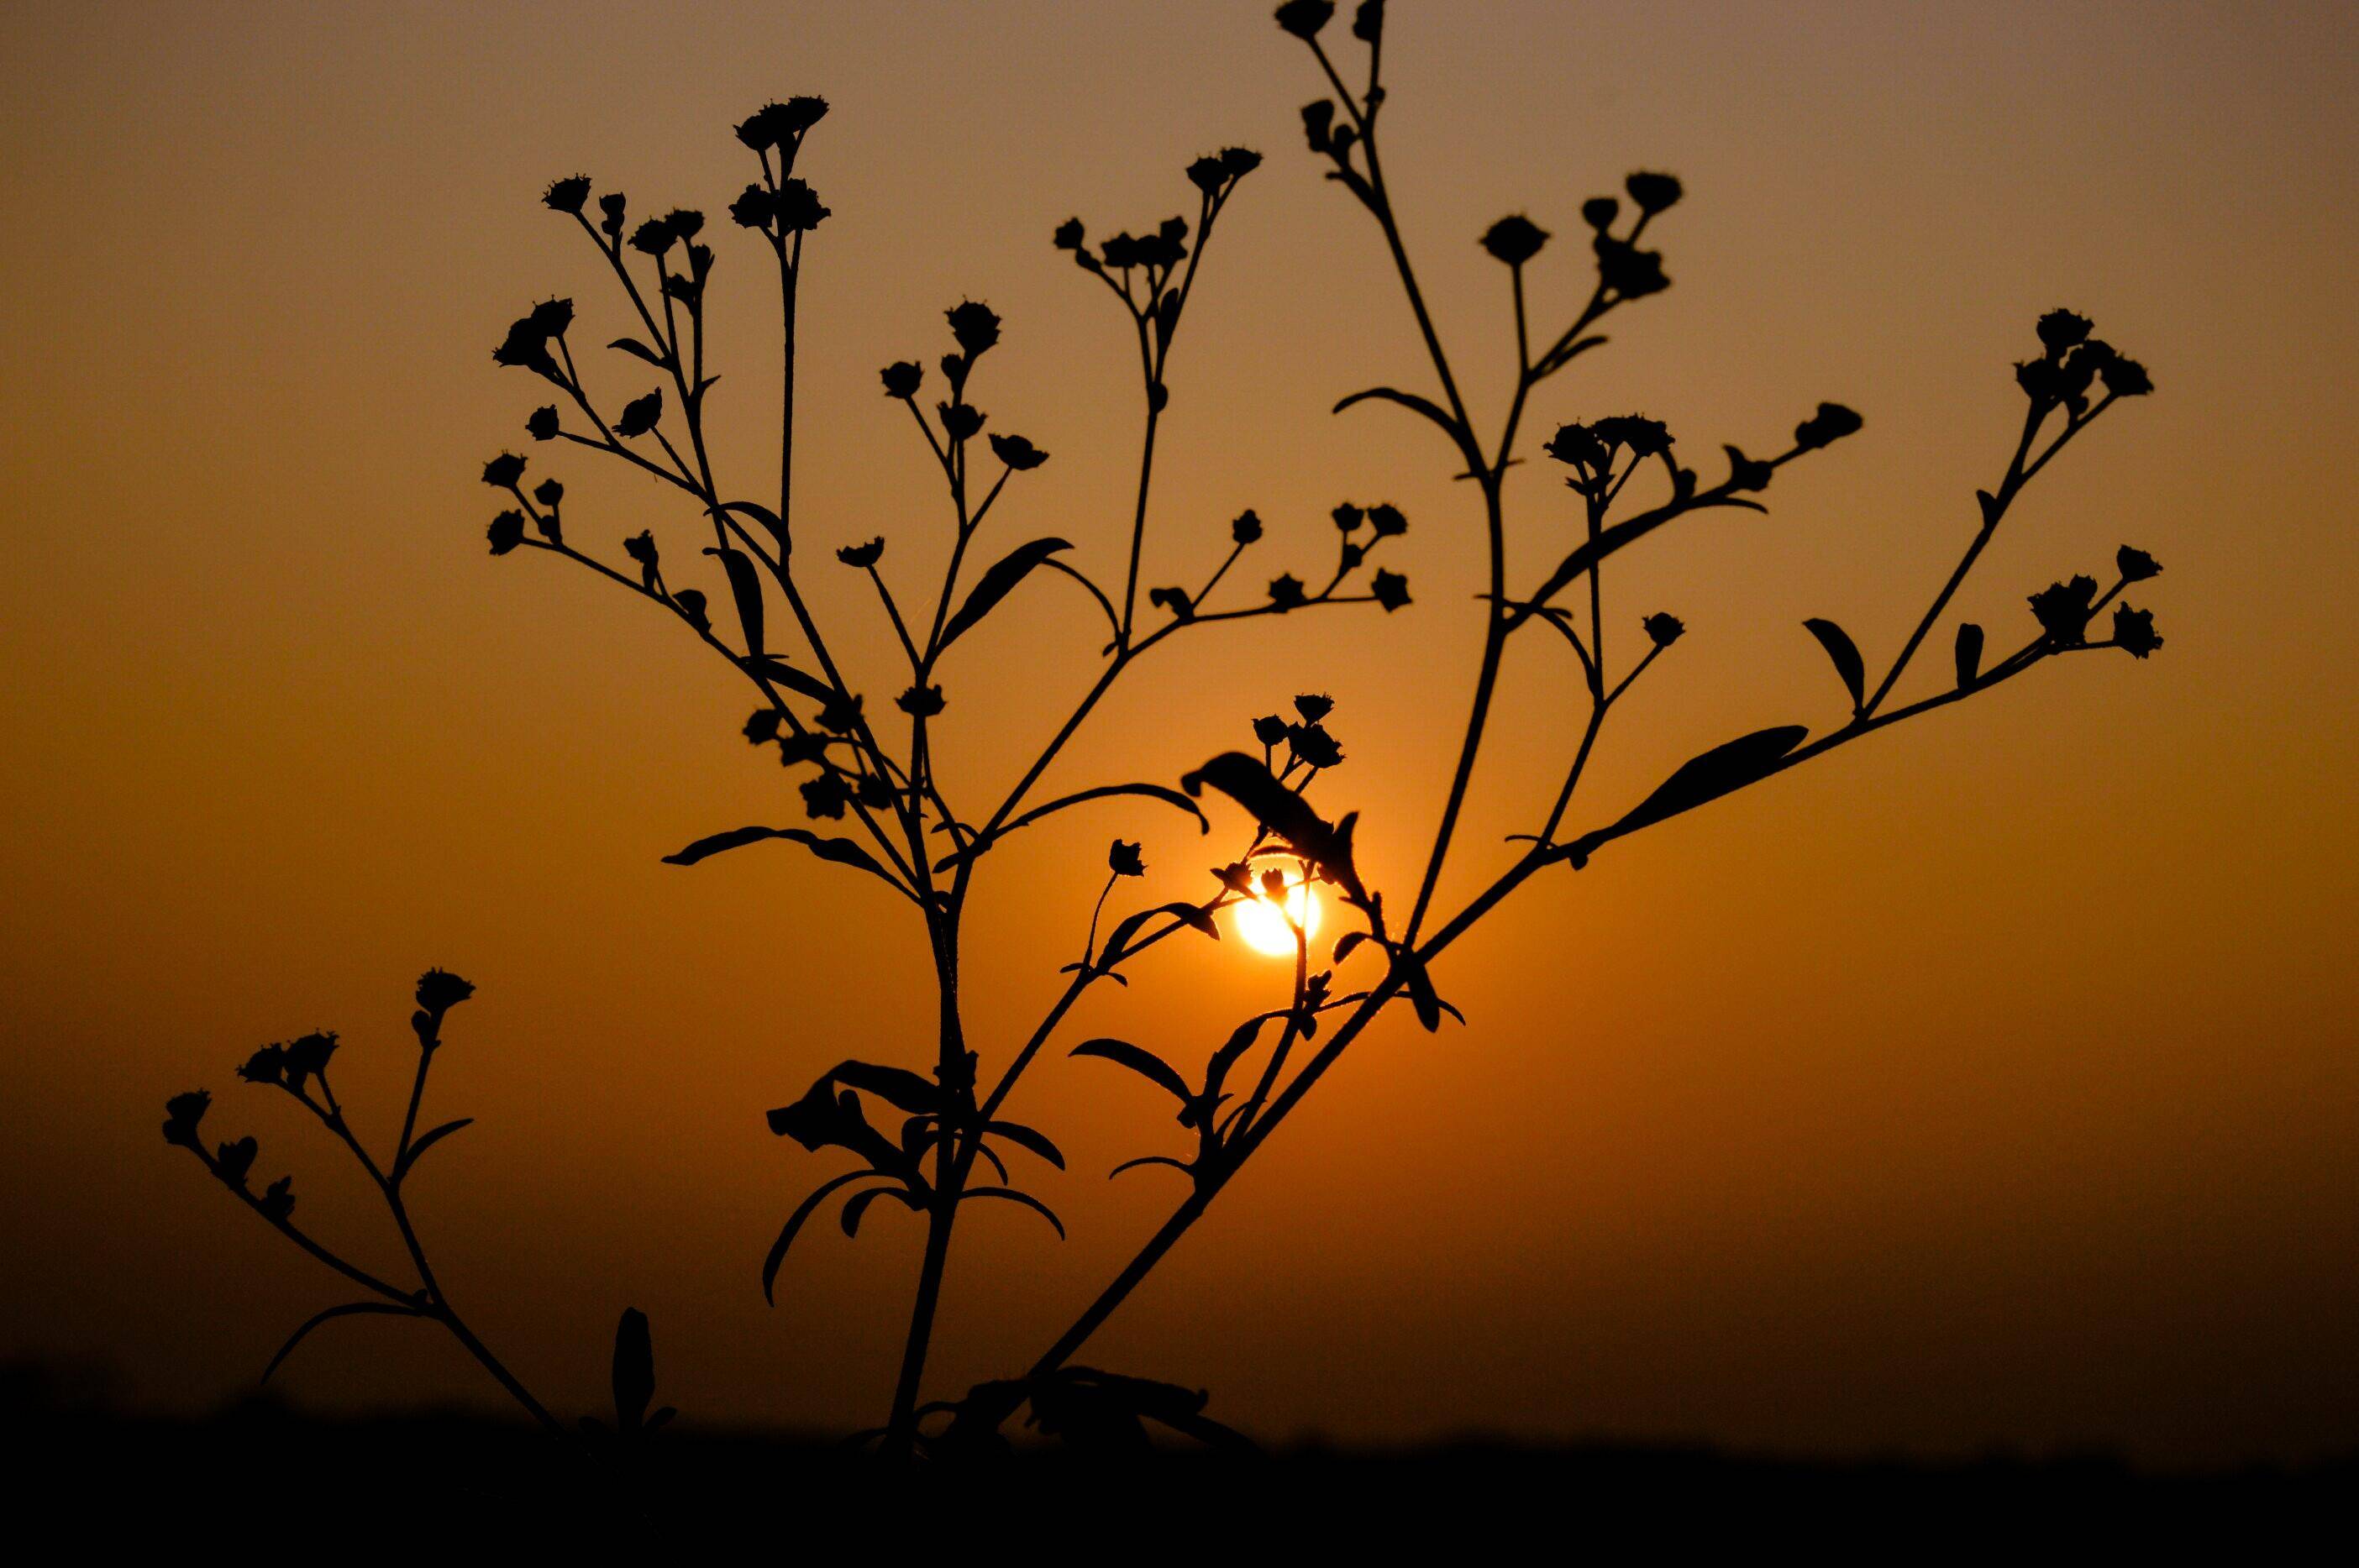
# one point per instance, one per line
(1989, 1082)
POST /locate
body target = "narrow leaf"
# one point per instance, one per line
(1117, 942)
(1216, 1072)
(996, 584)
(794, 1223)
(357, 1309)
(1163, 793)
(638, 350)
(767, 519)
(1027, 1138)
(841, 851)
(777, 672)
(745, 585)
(1845, 654)
(1970, 653)
(857, 1204)
(1151, 1159)
(1714, 773)
(1989, 504)
(1145, 1063)
(426, 1140)
(635, 1370)
(1012, 1195)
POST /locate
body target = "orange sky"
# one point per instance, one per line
(1989, 1082)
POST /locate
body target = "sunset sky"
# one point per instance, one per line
(1991, 1082)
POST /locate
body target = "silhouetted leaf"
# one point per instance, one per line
(777, 672)
(638, 350)
(357, 1309)
(1143, 1062)
(635, 1370)
(767, 518)
(1990, 506)
(1845, 654)
(1714, 773)
(1346, 942)
(1012, 1195)
(1151, 1159)
(1409, 401)
(1025, 1136)
(1164, 792)
(1240, 1041)
(745, 585)
(426, 1140)
(794, 1223)
(857, 1204)
(897, 1085)
(842, 851)
(1422, 996)
(1117, 942)
(1249, 783)
(1970, 653)
(996, 584)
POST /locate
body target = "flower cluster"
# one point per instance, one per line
(2072, 363)
(526, 346)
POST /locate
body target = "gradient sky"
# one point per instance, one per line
(1990, 1083)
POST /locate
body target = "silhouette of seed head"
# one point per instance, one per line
(2133, 630)
(1017, 453)
(1389, 589)
(825, 796)
(1304, 19)
(2059, 330)
(1652, 192)
(779, 126)
(2063, 609)
(268, 1065)
(438, 991)
(183, 1113)
(1514, 240)
(567, 195)
(864, 555)
(640, 413)
(1831, 424)
(505, 533)
(2135, 566)
(2125, 378)
(974, 325)
(1628, 271)
(1663, 629)
(1319, 125)
(1123, 859)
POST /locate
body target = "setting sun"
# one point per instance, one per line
(1267, 929)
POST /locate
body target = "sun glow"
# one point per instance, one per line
(1265, 929)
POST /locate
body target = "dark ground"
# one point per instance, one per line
(260, 1477)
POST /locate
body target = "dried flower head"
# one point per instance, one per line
(1514, 240)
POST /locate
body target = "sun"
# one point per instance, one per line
(1266, 930)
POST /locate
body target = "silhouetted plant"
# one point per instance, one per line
(1627, 477)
